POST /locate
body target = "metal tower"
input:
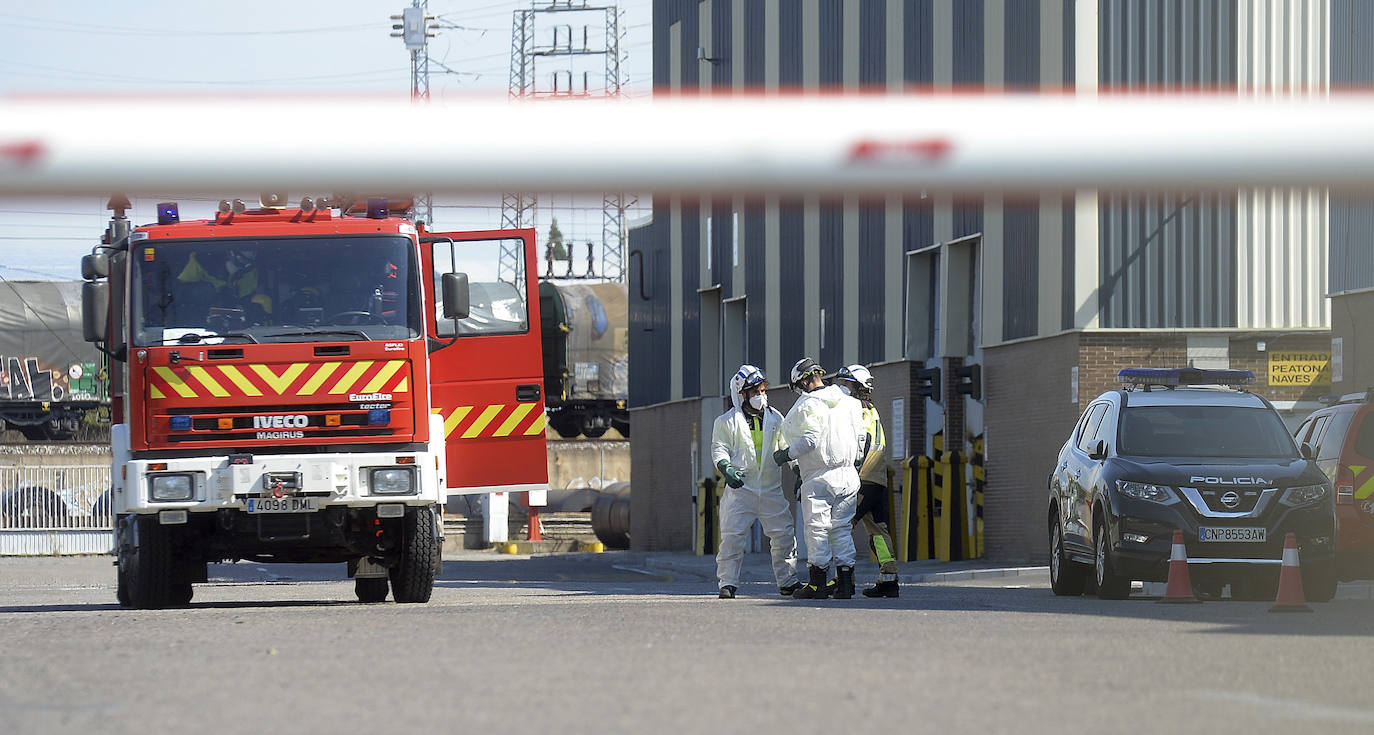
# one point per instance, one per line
(415, 29)
(517, 210)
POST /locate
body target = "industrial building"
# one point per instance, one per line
(1048, 295)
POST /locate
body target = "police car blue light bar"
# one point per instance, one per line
(1173, 377)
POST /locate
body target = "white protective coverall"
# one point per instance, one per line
(824, 432)
(761, 496)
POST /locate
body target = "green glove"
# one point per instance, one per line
(781, 457)
(733, 476)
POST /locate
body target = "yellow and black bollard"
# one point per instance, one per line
(979, 484)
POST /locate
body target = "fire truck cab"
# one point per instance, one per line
(310, 384)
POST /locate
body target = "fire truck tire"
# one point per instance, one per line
(122, 587)
(147, 566)
(370, 590)
(412, 579)
(181, 593)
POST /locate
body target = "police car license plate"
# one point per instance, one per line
(1213, 533)
(283, 505)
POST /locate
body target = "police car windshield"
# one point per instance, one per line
(275, 290)
(1222, 432)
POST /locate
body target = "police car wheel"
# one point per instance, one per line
(1110, 586)
(1319, 582)
(1066, 578)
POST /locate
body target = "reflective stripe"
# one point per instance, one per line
(382, 376)
(280, 383)
(514, 420)
(350, 377)
(175, 381)
(456, 418)
(239, 379)
(317, 380)
(481, 423)
(210, 384)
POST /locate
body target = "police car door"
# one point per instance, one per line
(1077, 529)
(486, 365)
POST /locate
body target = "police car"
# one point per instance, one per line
(1191, 450)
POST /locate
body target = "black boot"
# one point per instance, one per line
(727, 592)
(789, 589)
(844, 583)
(815, 588)
(882, 589)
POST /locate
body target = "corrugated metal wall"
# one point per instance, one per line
(1021, 44)
(650, 333)
(690, 281)
(1167, 260)
(1021, 269)
(968, 42)
(791, 281)
(1282, 233)
(755, 282)
(1351, 220)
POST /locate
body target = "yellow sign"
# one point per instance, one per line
(1300, 368)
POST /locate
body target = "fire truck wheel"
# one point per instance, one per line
(412, 579)
(370, 590)
(181, 594)
(122, 587)
(147, 565)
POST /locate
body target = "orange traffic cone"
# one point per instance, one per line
(1180, 587)
(1290, 598)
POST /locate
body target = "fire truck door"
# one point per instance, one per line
(486, 370)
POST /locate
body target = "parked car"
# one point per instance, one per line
(1342, 439)
(1165, 453)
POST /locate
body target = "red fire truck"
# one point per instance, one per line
(309, 384)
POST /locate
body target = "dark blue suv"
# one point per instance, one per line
(1165, 453)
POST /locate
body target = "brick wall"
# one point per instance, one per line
(1028, 414)
(1103, 354)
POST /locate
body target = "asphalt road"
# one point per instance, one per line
(599, 643)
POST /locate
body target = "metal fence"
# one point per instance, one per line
(55, 509)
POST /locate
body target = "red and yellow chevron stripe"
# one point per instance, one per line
(334, 380)
(493, 420)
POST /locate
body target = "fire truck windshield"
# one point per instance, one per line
(275, 290)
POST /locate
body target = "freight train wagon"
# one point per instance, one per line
(586, 357)
(52, 382)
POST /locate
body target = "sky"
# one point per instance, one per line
(168, 48)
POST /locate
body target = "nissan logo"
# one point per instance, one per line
(1230, 499)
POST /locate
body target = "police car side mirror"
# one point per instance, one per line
(457, 302)
(1307, 451)
(1098, 449)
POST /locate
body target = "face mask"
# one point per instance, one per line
(758, 402)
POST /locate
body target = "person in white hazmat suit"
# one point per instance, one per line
(742, 444)
(825, 435)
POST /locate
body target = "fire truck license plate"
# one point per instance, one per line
(283, 505)
(1213, 533)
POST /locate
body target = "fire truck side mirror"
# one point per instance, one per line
(456, 299)
(95, 310)
(95, 266)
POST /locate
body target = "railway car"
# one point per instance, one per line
(52, 382)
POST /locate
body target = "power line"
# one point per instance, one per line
(270, 80)
(45, 24)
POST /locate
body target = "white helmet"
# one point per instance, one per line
(746, 377)
(859, 376)
(803, 369)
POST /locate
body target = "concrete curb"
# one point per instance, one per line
(966, 575)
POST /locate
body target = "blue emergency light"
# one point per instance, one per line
(167, 213)
(377, 208)
(180, 423)
(378, 416)
(1174, 377)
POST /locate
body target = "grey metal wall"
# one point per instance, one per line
(650, 333)
(1351, 220)
(1167, 261)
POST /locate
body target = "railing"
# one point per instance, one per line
(55, 509)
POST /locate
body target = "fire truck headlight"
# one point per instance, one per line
(171, 487)
(378, 416)
(180, 423)
(392, 481)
